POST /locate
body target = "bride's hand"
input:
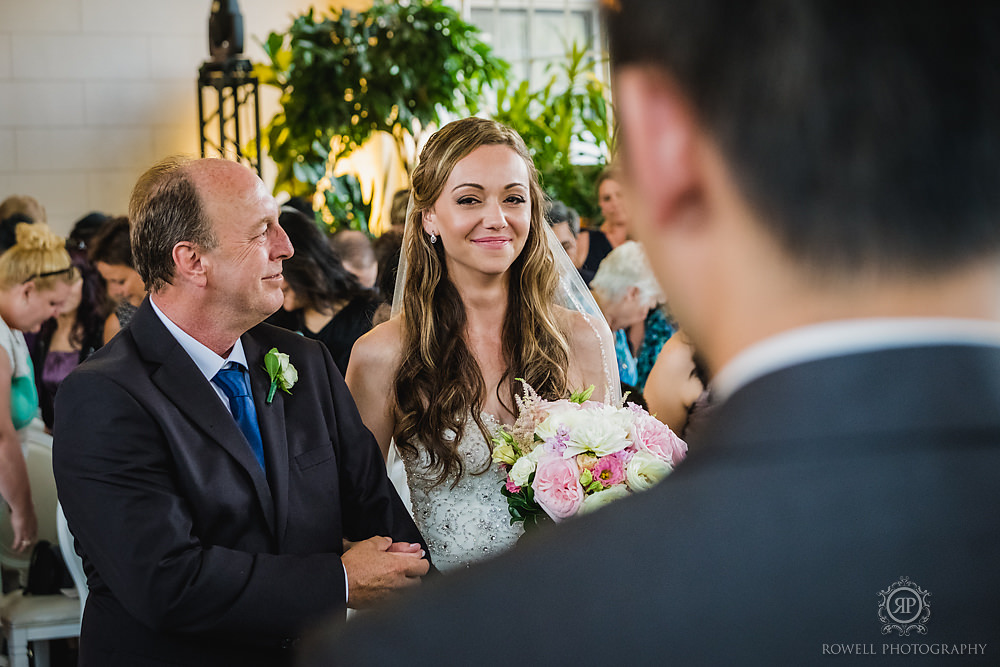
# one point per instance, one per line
(377, 566)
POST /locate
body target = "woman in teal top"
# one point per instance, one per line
(35, 280)
(626, 291)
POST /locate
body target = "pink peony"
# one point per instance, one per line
(609, 470)
(651, 435)
(557, 487)
(512, 487)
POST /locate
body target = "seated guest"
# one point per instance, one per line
(355, 251)
(211, 514)
(387, 250)
(594, 244)
(397, 212)
(111, 254)
(13, 211)
(301, 204)
(84, 230)
(675, 389)
(565, 224)
(647, 338)
(35, 282)
(327, 300)
(626, 290)
(24, 205)
(65, 340)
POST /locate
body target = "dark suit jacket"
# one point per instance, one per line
(193, 557)
(814, 488)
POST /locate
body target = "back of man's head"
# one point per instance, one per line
(164, 210)
(353, 247)
(863, 134)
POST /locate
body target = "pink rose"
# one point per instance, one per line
(651, 435)
(557, 487)
(609, 471)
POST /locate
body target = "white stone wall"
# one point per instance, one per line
(94, 91)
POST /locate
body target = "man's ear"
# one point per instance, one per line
(660, 140)
(189, 264)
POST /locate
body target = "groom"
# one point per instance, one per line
(211, 516)
(821, 184)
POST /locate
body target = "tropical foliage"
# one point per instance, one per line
(567, 125)
(397, 67)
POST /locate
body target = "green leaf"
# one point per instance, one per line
(582, 396)
(271, 363)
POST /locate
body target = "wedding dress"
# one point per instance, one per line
(466, 522)
(470, 521)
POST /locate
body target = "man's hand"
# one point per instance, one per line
(378, 566)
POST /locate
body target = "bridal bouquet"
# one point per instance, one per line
(571, 456)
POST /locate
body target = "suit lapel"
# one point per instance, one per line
(182, 383)
(271, 419)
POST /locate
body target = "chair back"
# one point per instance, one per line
(43, 494)
(72, 559)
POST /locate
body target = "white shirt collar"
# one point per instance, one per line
(207, 361)
(831, 339)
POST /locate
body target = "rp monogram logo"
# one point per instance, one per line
(903, 607)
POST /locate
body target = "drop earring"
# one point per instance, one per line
(434, 238)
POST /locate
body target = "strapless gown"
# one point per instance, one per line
(466, 522)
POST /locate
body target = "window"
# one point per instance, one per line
(531, 34)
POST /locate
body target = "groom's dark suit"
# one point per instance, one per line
(193, 556)
(815, 488)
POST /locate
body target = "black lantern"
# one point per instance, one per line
(225, 30)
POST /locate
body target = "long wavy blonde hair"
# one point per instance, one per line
(439, 382)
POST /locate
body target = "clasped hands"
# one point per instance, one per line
(377, 567)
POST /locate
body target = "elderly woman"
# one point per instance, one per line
(627, 292)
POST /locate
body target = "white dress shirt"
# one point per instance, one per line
(207, 361)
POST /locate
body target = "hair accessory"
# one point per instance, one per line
(48, 274)
(434, 238)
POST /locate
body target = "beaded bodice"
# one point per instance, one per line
(467, 522)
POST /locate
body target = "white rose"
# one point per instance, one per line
(602, 430)
(522, 469)
(645, 471)
(601, 498)
(289, 374)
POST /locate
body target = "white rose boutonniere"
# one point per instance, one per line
(282, 372)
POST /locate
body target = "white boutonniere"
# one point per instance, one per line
(282, 372)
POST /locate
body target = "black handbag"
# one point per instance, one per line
(47, 573)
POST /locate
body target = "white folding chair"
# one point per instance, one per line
(36, 619)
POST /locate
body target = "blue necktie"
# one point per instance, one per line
(233, 383)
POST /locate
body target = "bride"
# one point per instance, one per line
(486, 297)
